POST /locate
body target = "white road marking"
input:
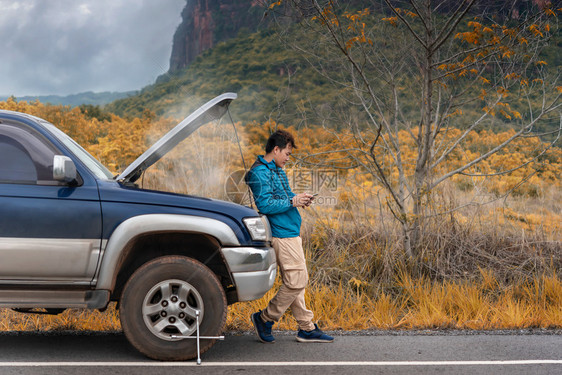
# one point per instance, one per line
(258, 364)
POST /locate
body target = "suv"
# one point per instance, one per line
(74, 236)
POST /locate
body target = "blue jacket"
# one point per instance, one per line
(272, 195)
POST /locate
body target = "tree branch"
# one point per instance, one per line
(491, 152)
(502, 173)
(407, 25)
(437, 42)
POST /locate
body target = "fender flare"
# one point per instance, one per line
(117, 250)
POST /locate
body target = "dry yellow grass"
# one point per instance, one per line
(417, 304)
(76, 320)
(422, 304)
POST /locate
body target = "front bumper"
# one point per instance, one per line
(253, 269)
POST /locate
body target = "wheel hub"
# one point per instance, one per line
(169, 309)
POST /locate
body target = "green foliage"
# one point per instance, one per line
(274, 82)
(269, 80)
(94, 111)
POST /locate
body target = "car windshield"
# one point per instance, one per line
(89, 161)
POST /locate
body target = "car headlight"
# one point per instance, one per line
(258, 228)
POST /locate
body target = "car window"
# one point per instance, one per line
(91, 163)
(27, 158)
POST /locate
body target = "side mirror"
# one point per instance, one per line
(64, 169)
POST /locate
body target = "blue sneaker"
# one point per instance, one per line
(315, 335)
(263, 329)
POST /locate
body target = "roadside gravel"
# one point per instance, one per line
(424, 332)
(369, 332)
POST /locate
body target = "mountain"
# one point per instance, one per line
(207, 22)
(271, 82)
(227, 45)
(74, 100)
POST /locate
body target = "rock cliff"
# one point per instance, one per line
(207, 22)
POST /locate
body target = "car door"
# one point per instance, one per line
(50, 232)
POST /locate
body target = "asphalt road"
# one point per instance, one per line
(363, 353)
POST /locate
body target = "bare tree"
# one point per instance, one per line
(438, 69)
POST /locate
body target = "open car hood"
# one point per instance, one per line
(214, 109)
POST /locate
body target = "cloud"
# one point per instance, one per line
(70, 46)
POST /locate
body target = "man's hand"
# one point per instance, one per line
(302, 200)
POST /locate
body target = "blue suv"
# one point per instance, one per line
(74, 236)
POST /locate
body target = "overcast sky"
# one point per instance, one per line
(69, 46)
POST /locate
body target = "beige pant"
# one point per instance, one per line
(292, 267)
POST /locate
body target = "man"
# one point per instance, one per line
(274, 198)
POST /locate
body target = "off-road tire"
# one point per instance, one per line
(174, 270)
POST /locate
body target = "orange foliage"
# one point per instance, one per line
(211, 153)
